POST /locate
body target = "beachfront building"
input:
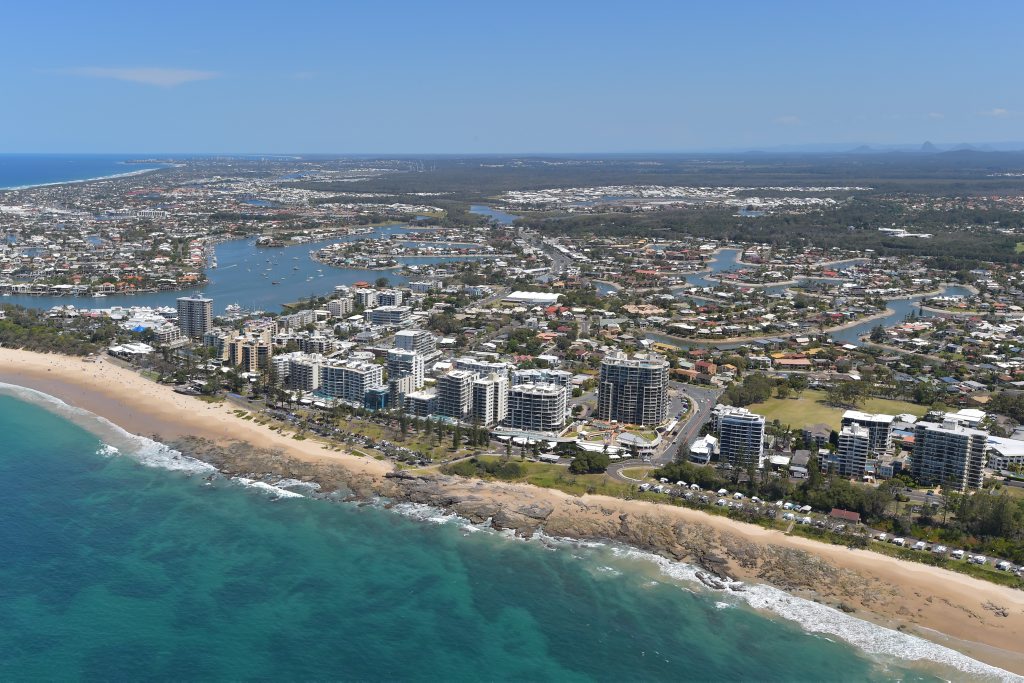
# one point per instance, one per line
(740, 435)
(195, 316)
(854, 449)
(350, 381)
(949, 454)
(390, 316)
(249, 354)
(878, 425)
(481, 368)
(455, 394)
(536, 407)
(421, 403)
(304, 372)
(490, 399)
(402, 363)
(633, 390)
(422, 342)
(562, 378)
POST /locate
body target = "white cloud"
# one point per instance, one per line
(166, 78)
(788, 120)
(998, 113)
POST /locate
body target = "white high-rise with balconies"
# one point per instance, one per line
(536, 408)
(490, 399)
(402, 363)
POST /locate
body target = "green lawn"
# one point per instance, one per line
(1019, 248)
(811, 409)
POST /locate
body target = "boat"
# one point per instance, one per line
(97, 295)
(274, 282)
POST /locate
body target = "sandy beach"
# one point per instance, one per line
(942, 606)
(149, 409)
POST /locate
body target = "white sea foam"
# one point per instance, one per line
(814, 617)
(116, 441)
(811, 616)
(266, 488)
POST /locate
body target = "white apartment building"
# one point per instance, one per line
(422, 342)
(854, 450)
(350, 381)
(562, 378)
(949, 454)
(740, 435)
(402, 363)
(878, 425)
(390, 316)
(490, 399)
(455, 394)
(536, 407)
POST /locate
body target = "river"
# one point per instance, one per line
(245, 274)
(729, 259)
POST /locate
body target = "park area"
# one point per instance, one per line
(811, 408)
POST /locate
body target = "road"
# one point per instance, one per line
(703, 400)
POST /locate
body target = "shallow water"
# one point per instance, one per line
(116, 570)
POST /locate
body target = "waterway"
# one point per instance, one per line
(496, 215)
(727, 260)
(245, 274)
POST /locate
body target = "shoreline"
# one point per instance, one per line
(940, 606)
(115, 176)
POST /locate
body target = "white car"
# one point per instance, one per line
(789, 516)
(957, 554)
(899, 541)
(805, 520)
(883, 537)
(920, 545)
(1005, 566)
(738, 495)
(939, 549)
(721, 502)
(977, 559)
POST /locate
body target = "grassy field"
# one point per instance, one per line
(811, 408)
(1019, 248)
(640, 473)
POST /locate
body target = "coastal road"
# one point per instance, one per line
(703, 400)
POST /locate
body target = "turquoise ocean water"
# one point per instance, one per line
(129, 564)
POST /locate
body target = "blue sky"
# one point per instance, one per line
(513, 76)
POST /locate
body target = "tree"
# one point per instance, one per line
(382, 282)
(798, 383)
(587, 462)
(782, 390)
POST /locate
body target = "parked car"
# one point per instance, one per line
(977, 559)
(900, 541)
(883, 537)
(1005, 566)
(805, 520)
(939, 549)
(957, 554)
(920, 545)
(721, 502)
(789, 516)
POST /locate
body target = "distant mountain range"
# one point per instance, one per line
(925, 148)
